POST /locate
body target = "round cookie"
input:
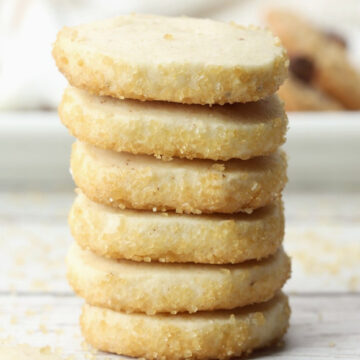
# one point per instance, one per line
(204, 335)
(170, 237)
(299, 96)
(177, 59)
(190, 186)
(333, 72)
(151, 288)
(168, 129)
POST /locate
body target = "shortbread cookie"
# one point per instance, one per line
(179, 59)
(190, 186)
(204, 335)
(299, 96)
(332, 73)
(151, 288)
(170, 237)
(167, 129)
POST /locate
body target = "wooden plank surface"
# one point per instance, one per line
(37, 307)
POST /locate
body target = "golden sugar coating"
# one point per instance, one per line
(333, 72)
(204, 335)
(177, 59)
(170, 237)
(124, 285)
(190, 186)
(167, 129)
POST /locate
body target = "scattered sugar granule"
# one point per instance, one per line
(218, 167)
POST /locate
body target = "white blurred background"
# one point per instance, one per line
(29, 79)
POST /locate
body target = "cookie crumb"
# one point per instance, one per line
(43, 329)
(45, 350)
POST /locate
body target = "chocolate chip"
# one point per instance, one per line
(302, 68)
(337, 38)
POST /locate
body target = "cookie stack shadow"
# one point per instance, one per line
(178, 220)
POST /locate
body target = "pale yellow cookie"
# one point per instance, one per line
(178, 59)
(190, 186)
(170, 237)
(299, 96)
(167, 129)
(151, 288)
(204, 335)
(333, 73)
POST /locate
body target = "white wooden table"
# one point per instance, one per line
(38, 308)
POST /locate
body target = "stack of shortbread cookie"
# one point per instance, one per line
(178, 220)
